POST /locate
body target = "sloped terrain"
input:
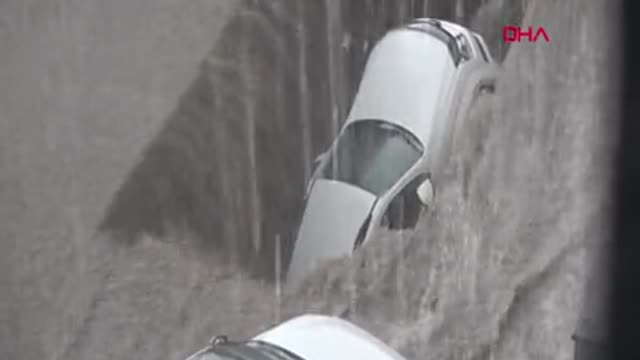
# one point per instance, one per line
(497, 270)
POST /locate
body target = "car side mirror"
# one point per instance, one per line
(425, 193)
(486, 87)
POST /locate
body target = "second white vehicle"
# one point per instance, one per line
(307, 337)
(377, 174)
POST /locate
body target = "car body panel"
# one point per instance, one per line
(335, 211)
(402, 82)
(306, 337)
(318, 337)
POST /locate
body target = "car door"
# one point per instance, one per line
(476, 79)
(478, 74)
(403, 210)
(454, 104)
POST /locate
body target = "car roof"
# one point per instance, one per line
(314, 337)
(403, 80)
(451, 27)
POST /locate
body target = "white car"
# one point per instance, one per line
(377, 174)
(307, 337)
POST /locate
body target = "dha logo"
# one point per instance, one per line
(515, 34)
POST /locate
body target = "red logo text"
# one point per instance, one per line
(515, 34)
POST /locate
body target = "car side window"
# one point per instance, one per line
(404, 210)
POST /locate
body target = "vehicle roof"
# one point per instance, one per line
(325, 337)
(453, 28)
(403, 81)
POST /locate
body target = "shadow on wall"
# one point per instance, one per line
(229, 166)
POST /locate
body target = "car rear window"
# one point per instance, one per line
(250, 350)
(372, 155)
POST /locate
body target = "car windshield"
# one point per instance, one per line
(250, 350)
(372, 155)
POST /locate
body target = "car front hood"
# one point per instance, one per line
(333, 216)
